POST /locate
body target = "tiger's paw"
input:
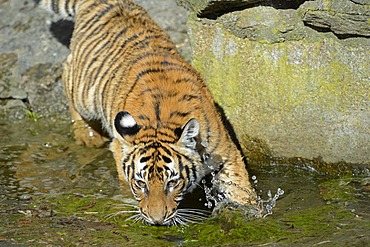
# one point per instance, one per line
(241, 196)
(242, 193)
(85, 135)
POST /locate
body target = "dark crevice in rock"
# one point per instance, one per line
(217, 9)
(27, 103)
(328, 30)
(288, 4)
(362, 2)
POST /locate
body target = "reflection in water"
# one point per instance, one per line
(51, 163)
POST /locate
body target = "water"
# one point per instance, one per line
(53, 187)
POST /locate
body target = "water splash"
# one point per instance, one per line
(270, 203)
(216, 199)
(212, 198)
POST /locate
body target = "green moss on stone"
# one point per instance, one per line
(301, 98)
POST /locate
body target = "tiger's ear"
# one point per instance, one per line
(126, 125)
(189, 131)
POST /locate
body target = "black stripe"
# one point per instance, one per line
(160, 70)
(193, 167)
(180, 164)
(91, 46)
(110, 68)
(130, 171)
(149, 90)
(122, 32)
(179, 114)
(158, 96)
(92, 21)
(172, 138)
(187, 172)
(145, 41)
(101, 37)
(146, 72)
(124, 167)
(157, 112)
(55, 6)
(182, 80)
(113, 62)
(189, 97)
(151, 138)
(166, 150)
(66, 3)
(142, 117)
(88, 24)
(160, 55)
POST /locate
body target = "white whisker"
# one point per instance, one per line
(131, 209)
(184, 216)
(199, 212)
(126, 205)
(135, 218)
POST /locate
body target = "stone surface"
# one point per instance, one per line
(31, 62)
(342, 17)
(287, 89)
(251, 23)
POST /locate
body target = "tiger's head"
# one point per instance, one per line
(159, 173)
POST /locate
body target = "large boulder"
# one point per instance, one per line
(293, 82)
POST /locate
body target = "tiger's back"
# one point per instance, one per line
(124, 71)
(104, 48)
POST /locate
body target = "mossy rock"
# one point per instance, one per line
(305, 95)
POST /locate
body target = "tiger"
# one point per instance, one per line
(165, 129)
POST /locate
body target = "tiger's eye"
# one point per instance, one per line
(172, 183)
(140, 183)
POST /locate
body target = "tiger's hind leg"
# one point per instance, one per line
(87, 133)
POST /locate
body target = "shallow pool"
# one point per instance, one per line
(54, 192)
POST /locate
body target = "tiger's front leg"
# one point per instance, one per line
(234, 182)
(85, 134)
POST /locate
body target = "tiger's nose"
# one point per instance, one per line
(157, 219)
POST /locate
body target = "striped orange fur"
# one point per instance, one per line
(124, 71)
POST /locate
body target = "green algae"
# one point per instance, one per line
(345, 190)
(229, 227)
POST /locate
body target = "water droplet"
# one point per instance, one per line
(280, 192)
(270, 203)
(48, 145)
